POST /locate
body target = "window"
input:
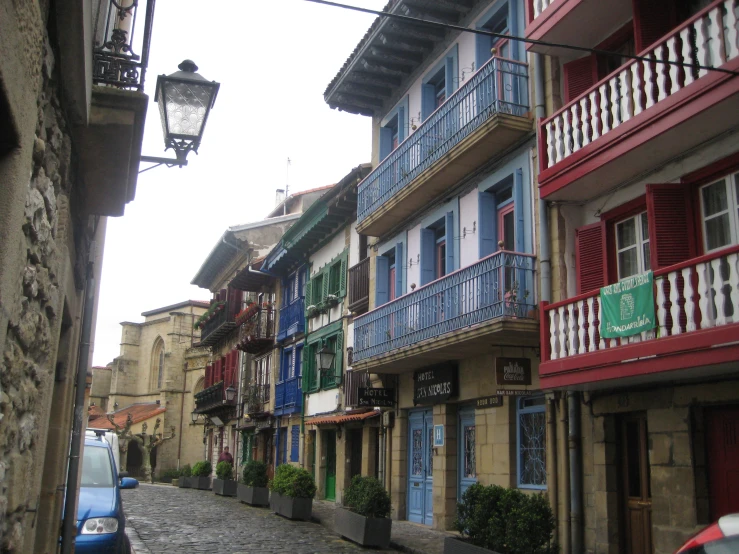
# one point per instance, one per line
(437, 249)
(498, 22)
(157, 365)
(315, 380)
(632, 246)
(720, 213)
(532, 468)
(335, 278)
(389, 275)
(438, 84)
(393, 129)
(440, 255)
(317, 288)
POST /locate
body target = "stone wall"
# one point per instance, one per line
(46, 243)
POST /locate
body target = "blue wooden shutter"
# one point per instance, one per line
(401, 125)
(449, 76)
(487, 223)
(428, 253)
(295, 446)
(386, 142)
(299, 360)
(382, 280)
(450, 234)
(428, 101)
(483, 44)
(399, 264)
(518, 229)
(285, 369)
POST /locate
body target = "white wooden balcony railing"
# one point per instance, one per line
(539, 6)
(701, 293)
(707, 39)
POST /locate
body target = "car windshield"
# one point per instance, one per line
(96, 468)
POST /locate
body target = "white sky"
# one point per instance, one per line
(274, 59)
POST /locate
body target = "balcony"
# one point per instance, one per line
(483, 118)
(573, 22)
(256, 399)
(210, 398)
(292, 319)
(359, 287)
(220, 324)
(697, 330)
(645, 113)
(257, 331)
(288, 396)
(492, 301)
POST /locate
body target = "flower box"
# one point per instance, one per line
(254, 496)
(367, 531)
(224, 487)
(290, 507)
(200, 483)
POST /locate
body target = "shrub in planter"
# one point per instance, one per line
(201, 475)
(185, 476)
(253, 487)
(365, 517)
(503, 520)
(224, 484)
(169, 475)
(293, 489)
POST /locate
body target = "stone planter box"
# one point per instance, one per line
(224, 488)
(201, 483)
(176, 482)
(291, 508)
(184, 482)
(254, 496)
(367, 531)
(454, 545)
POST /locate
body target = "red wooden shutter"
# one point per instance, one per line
(671, 229)
(579, 76)
(653, 19)
(590, 257)
(208, 375)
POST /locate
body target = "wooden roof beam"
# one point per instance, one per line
(402, 42)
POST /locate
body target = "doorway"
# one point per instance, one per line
(467, 470)
(330, 438)
(636, 499)
(420, 467)
(722, 435)
(355, 459)
(134, 459)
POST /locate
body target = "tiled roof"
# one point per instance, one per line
(343, 418)
(139, 412)
(95, 412)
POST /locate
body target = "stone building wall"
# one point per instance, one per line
(43, 254)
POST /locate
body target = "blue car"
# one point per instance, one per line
(101, 525)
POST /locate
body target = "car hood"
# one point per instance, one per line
(97, 502)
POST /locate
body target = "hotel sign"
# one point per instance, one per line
(434, 385)
(381, 398)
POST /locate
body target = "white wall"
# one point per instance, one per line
(469, 250)
(333, 248)
(353, 245)
(413, 256)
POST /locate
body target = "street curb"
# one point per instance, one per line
(137, 545)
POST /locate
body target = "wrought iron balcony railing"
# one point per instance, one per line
(219, 325)
(256, 399)
(120, 57)
(359, 286)
(498, 87)
(292, 319)
(212, 397)
(288, 394)
(501, 285)
(257, 333)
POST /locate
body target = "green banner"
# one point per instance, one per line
(627, 307)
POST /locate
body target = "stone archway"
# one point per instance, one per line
(134, 459)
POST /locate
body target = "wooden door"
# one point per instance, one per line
(722, 433)
(420, 467)
(635, 486)
(467, 470)
(330, 465)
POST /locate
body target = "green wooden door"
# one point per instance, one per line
(330, 465)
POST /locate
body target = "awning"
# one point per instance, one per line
(344, 418)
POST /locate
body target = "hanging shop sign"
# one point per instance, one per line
(434, 385)
(627, 307)
(513, 371)
(380, 398)
(489, 402)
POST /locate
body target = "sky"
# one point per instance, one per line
(274, 59)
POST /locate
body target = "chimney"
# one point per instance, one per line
(279, 196)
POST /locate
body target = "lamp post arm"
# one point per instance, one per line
(169, 162)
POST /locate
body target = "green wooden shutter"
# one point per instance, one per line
(339, 359)
(326, 279)
(342, 291)
(308, 290)
(309, 362)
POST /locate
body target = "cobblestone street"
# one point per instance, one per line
(168, 519)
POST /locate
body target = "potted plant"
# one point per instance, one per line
(224, 484)
(505, 521)
(253, 487)
(201, 476)
(184, 482)
(364, 519)
(311, 310)
(292, 489)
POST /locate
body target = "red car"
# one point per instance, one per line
(721, 537)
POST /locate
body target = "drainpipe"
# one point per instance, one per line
(69, 529)
(576, 515)
(552, 461)
(564, 473)
(182, 411)
(544, 240)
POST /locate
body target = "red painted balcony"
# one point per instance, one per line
(645, 113)
(697, 332)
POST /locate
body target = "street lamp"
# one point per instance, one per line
(194, 416)
(325, 358)
(230, 393)
(185, 99)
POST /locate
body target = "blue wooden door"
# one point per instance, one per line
(467, 467)
(420, 467)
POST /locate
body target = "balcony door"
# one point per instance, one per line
(635, 488)
(420, 467)
(507, 241)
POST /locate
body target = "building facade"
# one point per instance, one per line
(450, 280)
(638, 164)
(70, 141)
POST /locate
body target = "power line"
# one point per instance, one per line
(416, 20)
